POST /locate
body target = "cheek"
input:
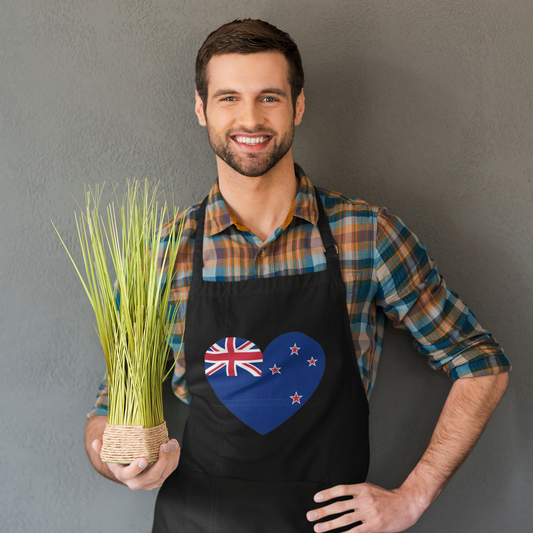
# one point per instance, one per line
(221, 121)
(286, 120)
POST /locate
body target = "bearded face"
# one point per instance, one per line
(248, 153)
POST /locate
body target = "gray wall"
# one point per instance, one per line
(423, 107)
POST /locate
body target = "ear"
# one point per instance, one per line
(199, 109)
(300, 107)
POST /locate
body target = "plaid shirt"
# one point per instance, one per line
(386, 270)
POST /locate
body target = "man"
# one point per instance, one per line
(285, 291)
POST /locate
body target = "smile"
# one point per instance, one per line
(251, 140)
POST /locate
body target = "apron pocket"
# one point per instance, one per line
(223, 505)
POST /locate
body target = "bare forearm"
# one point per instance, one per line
(95, 430)
(466, 412)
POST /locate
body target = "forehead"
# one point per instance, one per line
(247, 72)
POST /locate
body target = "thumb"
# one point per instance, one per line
(97, 446)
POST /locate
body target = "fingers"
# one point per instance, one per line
(347, 519)
(127, 474)
(166, 464)
(337, 492)
(176, 448)
(343, 521)
(346, 508)
(137, 476)
(97, 446)
(172, 463)
(334, 508)
(363, 508)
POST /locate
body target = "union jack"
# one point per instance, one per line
(226, 353)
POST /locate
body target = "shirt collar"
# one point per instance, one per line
(218, 216)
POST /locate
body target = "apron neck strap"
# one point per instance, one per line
(198, 259)
(330, 248)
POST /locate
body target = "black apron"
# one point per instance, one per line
(278, 409)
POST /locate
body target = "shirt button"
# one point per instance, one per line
(262, 253)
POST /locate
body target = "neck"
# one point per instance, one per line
(261, 204)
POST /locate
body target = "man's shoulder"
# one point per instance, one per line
(184, 221)
(337, 204)
(344, 212)
(184, 225)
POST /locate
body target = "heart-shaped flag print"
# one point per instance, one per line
(265, 389)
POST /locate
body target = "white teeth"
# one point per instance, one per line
(251, 140)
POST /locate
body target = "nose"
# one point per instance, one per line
(251, 115)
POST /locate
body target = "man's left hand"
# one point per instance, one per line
(369, 509)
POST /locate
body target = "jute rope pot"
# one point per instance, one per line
(124, 444)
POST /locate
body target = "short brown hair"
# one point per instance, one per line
(249, 36)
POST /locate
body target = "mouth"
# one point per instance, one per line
(251, 142)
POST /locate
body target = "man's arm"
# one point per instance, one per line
(466, 412)
(135, 475)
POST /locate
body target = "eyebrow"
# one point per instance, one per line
(269, 90)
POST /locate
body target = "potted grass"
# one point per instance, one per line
(133, 312)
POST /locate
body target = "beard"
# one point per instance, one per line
(250, 164)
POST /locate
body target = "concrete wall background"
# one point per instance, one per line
(424, 107)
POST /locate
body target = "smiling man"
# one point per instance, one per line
(285, 291)
(250, 114)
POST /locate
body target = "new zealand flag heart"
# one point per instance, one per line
(265, 389)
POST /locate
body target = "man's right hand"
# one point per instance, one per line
(137, 475)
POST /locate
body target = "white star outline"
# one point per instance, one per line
(296, 398)
(276, 369)
(294, 349)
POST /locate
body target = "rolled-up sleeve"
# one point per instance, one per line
(415, 297)
(100, 407)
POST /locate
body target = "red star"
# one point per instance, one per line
(275, 370)
(294, 349)
(312, 361)
(295, 398)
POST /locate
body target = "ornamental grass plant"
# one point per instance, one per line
(133, 311)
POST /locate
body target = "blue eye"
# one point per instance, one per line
(228, 99)
(269, 99)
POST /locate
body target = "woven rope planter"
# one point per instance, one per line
(124, 444)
